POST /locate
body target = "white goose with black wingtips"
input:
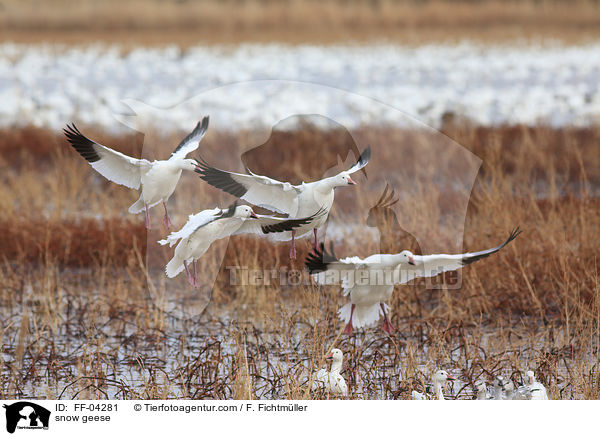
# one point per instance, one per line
(283, 197)
(158, 179)
(203, 228)
(370, 282)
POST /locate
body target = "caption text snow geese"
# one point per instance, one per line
(370, 281)
(158, 179)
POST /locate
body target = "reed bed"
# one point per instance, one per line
(138, 22)
(82, 305)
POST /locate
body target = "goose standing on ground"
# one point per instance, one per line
(283, 197)
(205, 227)
(498, 391)
(370, 281)
(158, 179)
(332, 381)
(439, 381)
(538, 390)
(481, 390)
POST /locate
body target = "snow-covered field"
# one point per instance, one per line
(49, 85)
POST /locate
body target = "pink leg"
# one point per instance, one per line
(147, 217)
(349, 329)
(293, 248)
(189, 276)
(316, 246)
(167, 219)
(387, 325)
(196, 284)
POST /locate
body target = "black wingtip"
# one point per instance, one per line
(219, 179)
(83, 145)
(365, 157)
(513, 234)
(318, 259)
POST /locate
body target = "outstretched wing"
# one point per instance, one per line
(191, 141)
(271, 224)
(261, 191)
(327, 269)
(116, 167)
(434, 264)
(362, 161)
(194, 222)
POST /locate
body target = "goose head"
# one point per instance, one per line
(407, 257)
(530, 378)
(342, 179)
(244, 212)
(336, 358)
(441, 377)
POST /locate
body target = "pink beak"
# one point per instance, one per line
(329, 357)
(449, 377)
(253, 215)
(411, 260)
(350, 181)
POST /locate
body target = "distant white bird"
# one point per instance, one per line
(481, 390)
(498, 391)
(439, 381)
(158, 179)
(370, 281)
(538, 390)
(205, 227)
(523, 392)
(332, 381)
(283, 197)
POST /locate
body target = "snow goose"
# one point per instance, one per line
(158, 179)
(205, 227)
(370, 282)
(283, 197)
(481, 390)
(332, 381)
(538, 390)
(498, 388)
(439, 381)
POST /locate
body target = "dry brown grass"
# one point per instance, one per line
(134, 22)
(79, 321)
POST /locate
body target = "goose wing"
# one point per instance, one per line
(116, 167)
(265, 224)
(327, 269)
(191, 141)
(434, 264)
(194, 222)
(362, 161)
(261, 191)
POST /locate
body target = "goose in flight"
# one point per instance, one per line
(283, 197)
(370, 282)
(439, 381)
(332, 381)
(157, 179)
(205, 227)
